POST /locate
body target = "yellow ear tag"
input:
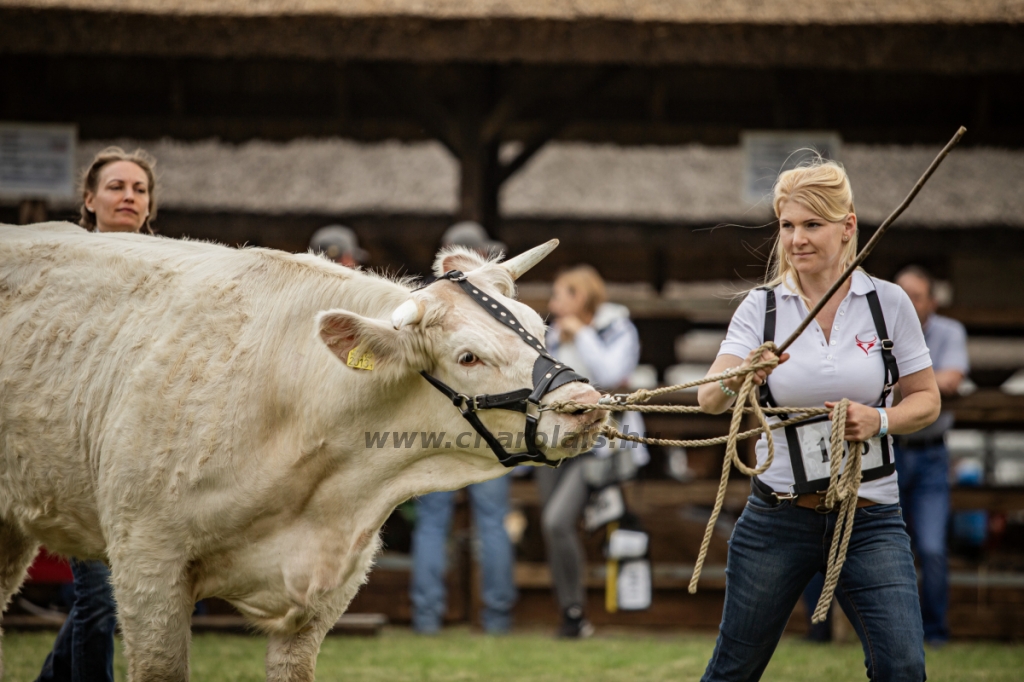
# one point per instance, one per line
(360, 359)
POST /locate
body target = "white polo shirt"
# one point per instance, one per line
(849, 365)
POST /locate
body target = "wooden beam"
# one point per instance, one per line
(989, 45)
(421, 105)
(556, 122)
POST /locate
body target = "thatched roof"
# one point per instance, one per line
(691, 184)
(779, 12)
(937, 35)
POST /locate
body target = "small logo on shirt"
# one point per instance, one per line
(866, 345)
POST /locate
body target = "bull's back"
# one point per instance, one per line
(108, 346)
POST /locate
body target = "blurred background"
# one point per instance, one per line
(643, 135)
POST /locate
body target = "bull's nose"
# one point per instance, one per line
(589, 395)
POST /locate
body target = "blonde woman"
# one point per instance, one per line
(866, 339)
(118, 195)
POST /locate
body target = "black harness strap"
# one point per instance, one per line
(892, 370)
(548, 374)
(768, 335)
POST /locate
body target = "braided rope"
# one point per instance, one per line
(843, 486)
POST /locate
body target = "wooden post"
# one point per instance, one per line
(478, 153)
(478, 186)
(32, 211)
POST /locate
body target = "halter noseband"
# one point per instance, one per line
(548, 374)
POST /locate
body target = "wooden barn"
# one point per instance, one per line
(628, 130)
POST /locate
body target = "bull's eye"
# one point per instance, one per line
(467, 359)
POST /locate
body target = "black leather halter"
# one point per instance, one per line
(548, 374)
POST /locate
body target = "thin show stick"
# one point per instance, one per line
(874, 240)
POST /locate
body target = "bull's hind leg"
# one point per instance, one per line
(154, 607)
(17, 551)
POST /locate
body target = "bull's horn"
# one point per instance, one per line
(407, 313)
(518, 266)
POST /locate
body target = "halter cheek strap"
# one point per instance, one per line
(548, 374)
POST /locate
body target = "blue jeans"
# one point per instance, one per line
(84, 650)
(776, 550)
(924, 494)
(489, 502)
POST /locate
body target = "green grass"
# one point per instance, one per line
(458, 655)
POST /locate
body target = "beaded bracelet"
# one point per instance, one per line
(725, 389)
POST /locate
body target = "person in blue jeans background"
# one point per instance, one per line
(489, 504)
(922, 459)
(118, 195)
(84, 649)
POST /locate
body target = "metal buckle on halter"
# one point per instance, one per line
(464, 403)
(532, 409)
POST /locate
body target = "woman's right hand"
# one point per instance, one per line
(761, 375)
(712, 399)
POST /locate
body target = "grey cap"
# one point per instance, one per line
(336, 240)
(470, 234)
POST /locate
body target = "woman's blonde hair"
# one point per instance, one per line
(586, 279)
(823, 188)
(91, 178)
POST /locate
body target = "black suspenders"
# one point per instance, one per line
(892, 375)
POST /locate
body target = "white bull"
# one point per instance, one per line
(189, 413)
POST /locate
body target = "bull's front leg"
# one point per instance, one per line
(17, 550)
(292, 658)
(154, 603)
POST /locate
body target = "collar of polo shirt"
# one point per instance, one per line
(860, 284)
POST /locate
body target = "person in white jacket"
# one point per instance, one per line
(597, 339)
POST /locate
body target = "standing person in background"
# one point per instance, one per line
(922, 460)
(118, 195)
(489, 503)
(340, 244)
(598, 339)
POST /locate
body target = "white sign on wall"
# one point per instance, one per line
(37, 161)
(768, 153)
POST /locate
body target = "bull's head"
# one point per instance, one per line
(472, 339)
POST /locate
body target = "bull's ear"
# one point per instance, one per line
(457, 258)
(359, 342)
(493, 276)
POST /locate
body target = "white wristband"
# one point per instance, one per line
(884, 428)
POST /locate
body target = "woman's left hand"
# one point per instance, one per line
(862, 422)
(569, 326)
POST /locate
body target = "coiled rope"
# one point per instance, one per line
(844, 482)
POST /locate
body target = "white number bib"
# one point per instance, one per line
(815, 450)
